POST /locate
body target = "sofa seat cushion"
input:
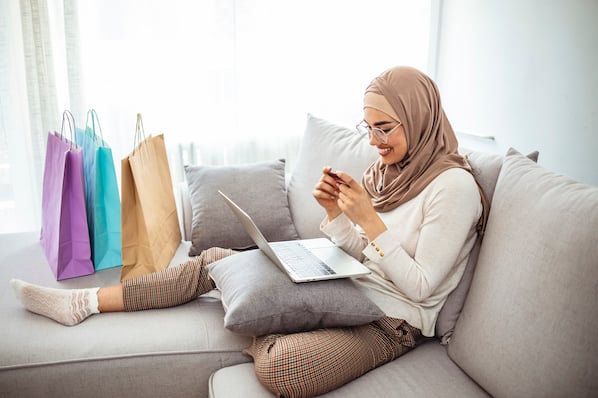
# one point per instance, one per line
(426, 371)
(528, 327)
(168, 352)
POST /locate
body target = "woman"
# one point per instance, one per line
(412, 221)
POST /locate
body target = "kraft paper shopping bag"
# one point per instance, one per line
(64, 234)
(101, 195)
(150, 225)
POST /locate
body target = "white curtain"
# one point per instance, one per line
(36, 44)
(226, 81)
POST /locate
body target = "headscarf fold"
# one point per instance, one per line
(432, 146)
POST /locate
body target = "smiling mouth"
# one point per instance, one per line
(384, 151)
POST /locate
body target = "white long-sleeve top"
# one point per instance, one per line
(421, 257)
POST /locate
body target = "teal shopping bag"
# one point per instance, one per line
(101, 195)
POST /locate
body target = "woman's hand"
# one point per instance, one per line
(326, 194)
(345, 195)
(356, 203)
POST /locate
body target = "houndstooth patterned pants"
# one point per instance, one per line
(302, 364)
(174, 285)
(312, 363)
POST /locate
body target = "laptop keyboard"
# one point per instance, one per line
(301, 260)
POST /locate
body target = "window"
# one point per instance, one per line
(224, 80)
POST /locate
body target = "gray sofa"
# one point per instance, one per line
(528, 326)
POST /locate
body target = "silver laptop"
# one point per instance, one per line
(303, 260)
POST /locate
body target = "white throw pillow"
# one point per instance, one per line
(324, 144)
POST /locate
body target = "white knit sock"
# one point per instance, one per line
(66, 306)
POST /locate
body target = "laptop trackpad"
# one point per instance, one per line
(331, 255)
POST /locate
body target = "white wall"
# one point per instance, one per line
(525, 72)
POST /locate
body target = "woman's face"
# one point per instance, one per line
(395, 149)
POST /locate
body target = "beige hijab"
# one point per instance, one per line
(431, 142)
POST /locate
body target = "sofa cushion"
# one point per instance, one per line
(486, 167)
(260, 299)
(169, 352)
(528, 327)
(258, 188)
(323, 144)
(426, 371)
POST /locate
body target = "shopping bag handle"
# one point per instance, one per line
(94, 118)
(68, 116)
(139, 132)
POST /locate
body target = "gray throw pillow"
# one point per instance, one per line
(258, 188)
(259, 298)
(486, 167)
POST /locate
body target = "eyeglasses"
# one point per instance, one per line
(381, 135)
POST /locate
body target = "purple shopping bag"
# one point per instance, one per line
(64, 234)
